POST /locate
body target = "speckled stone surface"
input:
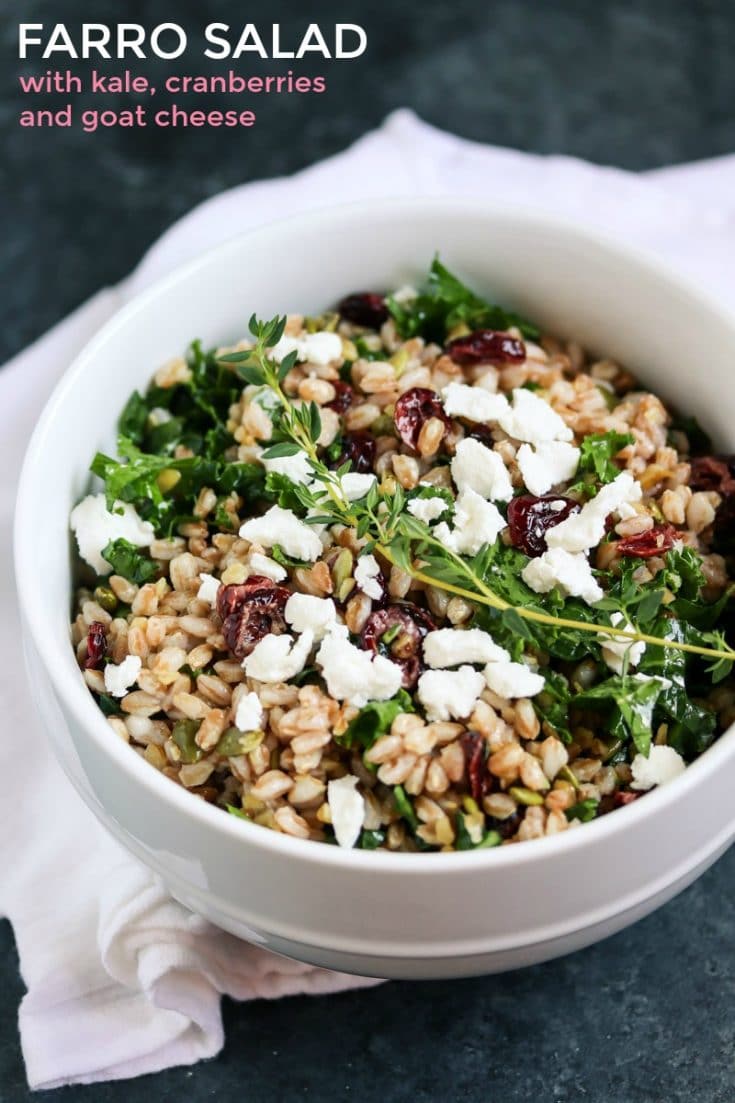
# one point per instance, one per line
(648, 1016)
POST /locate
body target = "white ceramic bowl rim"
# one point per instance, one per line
(81, 703)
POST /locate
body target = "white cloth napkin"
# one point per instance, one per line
(121, 980)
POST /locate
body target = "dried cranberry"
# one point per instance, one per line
(359, 449)
(657, 541)
(344, 397)
(713, 473)
(621, 797)
(397, 632)
(473, 746)
(486, 346)
(481, 433)
(364, 308)
(530, 518)
(717, 473)
(413, 409)
(251, 610)
(96, 645)
(505, 828)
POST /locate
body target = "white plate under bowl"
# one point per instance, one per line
(376, 913)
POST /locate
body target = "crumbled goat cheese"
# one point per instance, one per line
(316, 614)
(452, 646)
(626, 511)
(572, 574)
(474, 403)
(584, 530)
(405, 294)
(662, 765)
(356, 485)
(354, 675)
(427, 509)
(313, 348)
(367, 573)
(296, 467)
(263, 396)
(475, 467)
(249, 713)
(282, 527)
(118, 679)
(347, 808)
(262, 564)
(278, 658)
(159, 416)
(209, 585)
(95, 526)
(616, 648)
(450, 694)
(513, 680)
(476, 522)
(532, 419)
(550, 463)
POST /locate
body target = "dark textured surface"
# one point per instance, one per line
(646, 1017)
(633, 84)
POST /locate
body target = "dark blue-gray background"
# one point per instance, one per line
(648, 1016)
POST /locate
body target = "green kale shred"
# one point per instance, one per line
(445, 302)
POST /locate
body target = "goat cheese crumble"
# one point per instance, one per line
(453, 646)
(584, 530)
(307, 613)
(347, 808)
(476, 467)
(476, 522)
(313, 348)
(208, 587)
(570, 573)
(547, 464)
(278, 658)
(282, 527)
(615, 649)
(427, 509)
(662, 765)
(532, 419)
(510, 680)
(366, 575)
(249, 713)
(356, 485)
(94, 526)
(267, 567)
(354, 675)
(296, 468)
(450, 694)
(474, 403)
(119, 679)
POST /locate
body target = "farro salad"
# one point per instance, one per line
(408, 575)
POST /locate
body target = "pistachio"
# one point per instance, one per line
(525, 796)
(106, 598)
(383, 426)
(345, 589)
(184, 736)
(233, 742)
(399, 360)
(568, 775)
(167, 479)
(342, 569)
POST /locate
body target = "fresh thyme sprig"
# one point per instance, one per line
(400, 538)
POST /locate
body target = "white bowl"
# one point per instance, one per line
(375, 913)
